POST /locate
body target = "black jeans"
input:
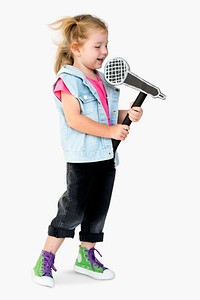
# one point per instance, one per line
(86, 201)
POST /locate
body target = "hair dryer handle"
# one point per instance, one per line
(138, 102)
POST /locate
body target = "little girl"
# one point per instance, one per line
(89, 120)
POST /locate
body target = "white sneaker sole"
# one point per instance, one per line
(106, 275)
(43, 280)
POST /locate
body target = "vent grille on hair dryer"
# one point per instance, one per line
(116, 70)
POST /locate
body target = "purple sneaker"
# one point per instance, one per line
(42, 272)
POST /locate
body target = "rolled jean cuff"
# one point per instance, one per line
(60, 232)
(91, 237)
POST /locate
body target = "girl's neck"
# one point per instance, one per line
(87, 72)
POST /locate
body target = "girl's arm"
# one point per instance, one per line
(122, 114)
(86, 125)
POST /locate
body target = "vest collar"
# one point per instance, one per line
(76, 72)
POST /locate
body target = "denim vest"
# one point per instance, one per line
(80, 147)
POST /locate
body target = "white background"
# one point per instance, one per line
(152, 229)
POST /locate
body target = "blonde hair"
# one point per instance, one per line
(73, 29)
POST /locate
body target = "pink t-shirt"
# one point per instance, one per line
(98, 85)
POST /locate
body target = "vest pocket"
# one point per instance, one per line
(89, 103)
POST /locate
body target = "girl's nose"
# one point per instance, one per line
(105, 50)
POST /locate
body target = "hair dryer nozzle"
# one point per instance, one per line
(161, 96)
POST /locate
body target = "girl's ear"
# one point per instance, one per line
(75, 48)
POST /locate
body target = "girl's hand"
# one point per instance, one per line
(119, 132)
(135, 113)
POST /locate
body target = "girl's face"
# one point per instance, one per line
(91, 55)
